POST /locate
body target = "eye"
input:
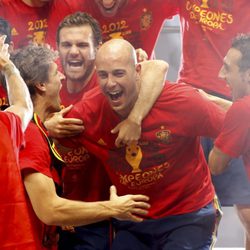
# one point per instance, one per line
(82, 45)
(102, 75)
(66, 45)
(119, 73)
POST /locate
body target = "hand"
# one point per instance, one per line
(128, 207)
(4, 55)
(128, 132)
(141, 55)
(60, 127)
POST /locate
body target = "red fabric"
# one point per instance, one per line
(139, 22)
(172, 169)
(234, 138)
(16, 230)
(28, 23)
(84, 177)
(36, 157)
(3, 97)
(207, 32)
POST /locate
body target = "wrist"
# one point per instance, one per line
(137, 119)
(10, 69)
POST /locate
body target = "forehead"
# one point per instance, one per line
(52, 68)
(232, 57)
(83, 32)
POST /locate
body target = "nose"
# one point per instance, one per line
(111, 81)
(74, 50)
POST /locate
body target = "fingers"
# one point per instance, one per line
(66, 110)
(135, 218)
(140, 197)
(71, 121)
(115, 129)
(113, 192)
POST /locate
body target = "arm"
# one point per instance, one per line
(129, 130)
(218, 161)
(54, 210)
(60, 127)
(19, 97)
(223, 103)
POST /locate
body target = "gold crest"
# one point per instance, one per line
(146, 19)
(164, 135)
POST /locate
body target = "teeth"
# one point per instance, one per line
(115, 95)
(75, 64)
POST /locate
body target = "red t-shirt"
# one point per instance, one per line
(234, 138)
(207, 32)
(84, 176)
(168, 163)
(139, 21)
(28, 23)
(36, 157)
(16, 230)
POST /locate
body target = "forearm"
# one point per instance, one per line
(18, 94)
(152, 82)
(74, 213)
(223, 103)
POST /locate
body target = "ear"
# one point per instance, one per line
(41, 87)
(138, 68)
(11, 47)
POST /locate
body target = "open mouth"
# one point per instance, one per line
(115, 95)
(75, 63)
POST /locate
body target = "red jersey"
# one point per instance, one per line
(16, 230)
(234, 139)
(36, 157)
(139, 21)
(167, 164)
(28, 23)
(208, 27)
(84, 177)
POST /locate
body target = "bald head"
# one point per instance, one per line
(115, 49)
(118, 74)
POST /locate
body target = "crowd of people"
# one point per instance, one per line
(98, 150)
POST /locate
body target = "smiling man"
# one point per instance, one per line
(234, 139)
(167, 163)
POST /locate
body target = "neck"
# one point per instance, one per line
(77, 86)
(42, 109)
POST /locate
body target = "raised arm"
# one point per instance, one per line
(18, 94)
(152, 82)
(54, 210)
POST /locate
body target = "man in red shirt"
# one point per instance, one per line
(167, 163)
(84, 177)
(16, 230)
(234, 139)
(39, 160)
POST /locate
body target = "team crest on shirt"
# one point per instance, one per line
(146, 19)
(164, 135)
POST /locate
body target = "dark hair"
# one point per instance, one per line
(80, 19)
(5, 29)
(242, 43)
(33, 62)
